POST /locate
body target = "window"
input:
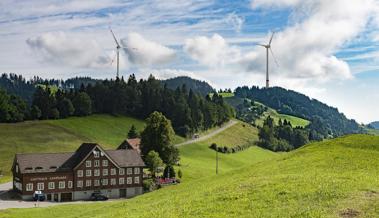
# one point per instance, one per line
(96, 163)
(129, 171)
(80, 173)
(88, 183)
(69, 184)
(113, 181)
(88, 172)
(113, 171)
(62, 184)
(88, 163)
(104, 181)
(105, 163)
(121, 171)
(121, 181)
(136, 170)
(96, 154)
(96, 172)
(96, 182)
(80, 184)
(105, 172)
(29, 187)
(16, 168)
(40, 186)
(136, 180)
(129, 180)
(51, 185)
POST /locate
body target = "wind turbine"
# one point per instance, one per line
(117, 50)
(118, 47)
(268, 47)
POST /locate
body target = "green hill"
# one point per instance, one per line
(335, 178)
(62, 135)
(238, 103)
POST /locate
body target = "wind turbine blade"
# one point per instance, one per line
(114, 37)
(262, 45)
(272, 53)
(130, 48)
(272, 36)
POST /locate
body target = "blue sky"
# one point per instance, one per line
(327, 49)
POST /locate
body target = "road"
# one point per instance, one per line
(6, 204)
(211, 134)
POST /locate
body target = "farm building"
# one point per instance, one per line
(77, 175)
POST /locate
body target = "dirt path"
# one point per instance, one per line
(205, 137)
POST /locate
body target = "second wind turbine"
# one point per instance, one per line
(268, 47)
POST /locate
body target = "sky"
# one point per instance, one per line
(326, 49)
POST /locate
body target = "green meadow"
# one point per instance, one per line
(61, 135)
(335, 178)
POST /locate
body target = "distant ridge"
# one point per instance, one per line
(375, 124)
(198, 86)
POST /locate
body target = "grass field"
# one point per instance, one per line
(240, 134)
(335, 178)
(295, 121)
(61, 135)
(226, 94)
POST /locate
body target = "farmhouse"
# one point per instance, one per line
(77, 175)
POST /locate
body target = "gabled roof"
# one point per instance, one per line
(133, 143)
(79, 155)
(49, 162)
(126, 157)
(62, 162)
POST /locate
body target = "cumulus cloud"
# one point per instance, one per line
(306, 48)
(63, 49)
(143, 52)
(211, 51)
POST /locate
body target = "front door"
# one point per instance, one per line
(122, 193)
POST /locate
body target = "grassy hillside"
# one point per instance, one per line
(295, 121)
(335, 178)
(240, 134)
(61, 135)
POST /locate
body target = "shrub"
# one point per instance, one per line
(213, 146)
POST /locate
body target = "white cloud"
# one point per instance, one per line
(306, 48)
(144, 52)
(236, 21)
(63, 49)
(211, 51)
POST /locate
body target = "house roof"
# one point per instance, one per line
(133, 143)
(48, 162)
(126, 158)
(61, 162)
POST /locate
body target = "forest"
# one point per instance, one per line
(188, 111)
(326, 121)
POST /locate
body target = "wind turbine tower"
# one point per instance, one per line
(268, 47)
(118, 52)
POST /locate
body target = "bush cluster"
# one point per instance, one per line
(229, 150)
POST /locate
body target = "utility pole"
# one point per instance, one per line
(216, 161)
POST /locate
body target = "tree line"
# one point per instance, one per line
(281, 136)
(188, 111)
